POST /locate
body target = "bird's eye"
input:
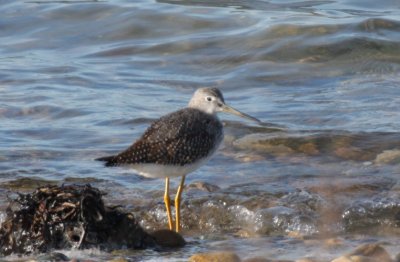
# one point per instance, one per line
(209, 98)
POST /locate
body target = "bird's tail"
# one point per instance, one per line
(109, 160)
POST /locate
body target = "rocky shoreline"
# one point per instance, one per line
(75, 217)
(364, 253)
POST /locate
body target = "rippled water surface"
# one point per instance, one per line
(83, 79)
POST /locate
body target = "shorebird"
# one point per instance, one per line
(178, 143)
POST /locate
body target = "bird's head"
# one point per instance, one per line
(211, 101)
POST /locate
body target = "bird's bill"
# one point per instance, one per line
(231, 110)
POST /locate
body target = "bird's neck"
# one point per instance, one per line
(208, 111)
(201, 107)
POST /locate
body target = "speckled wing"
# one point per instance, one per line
(179, 138)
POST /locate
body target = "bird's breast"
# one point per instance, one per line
(161, 171)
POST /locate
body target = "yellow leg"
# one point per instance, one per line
(178, 202)
(167, 202)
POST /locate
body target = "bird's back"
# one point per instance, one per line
(177, 139)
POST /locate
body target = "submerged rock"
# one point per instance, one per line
(285, 220)
(204, 186)
(343, 145)
(66, 217)
(372, 213)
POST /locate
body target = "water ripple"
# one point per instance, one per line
(82, 79)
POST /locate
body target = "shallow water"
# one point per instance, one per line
(83, 79)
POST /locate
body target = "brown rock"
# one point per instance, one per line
(351, 153)
(309, 149)
(244, 233)
(306, 260)
(342, 259)
(215, 257)
(257, 259)
(388, 157)
(261, 259)
(119, 259)
(168, 238)
(374, 251)
(333, 243)
(366, 253)
(355, 259)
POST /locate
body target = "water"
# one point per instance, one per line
(83, 79)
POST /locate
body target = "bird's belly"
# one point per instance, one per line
(162, 171)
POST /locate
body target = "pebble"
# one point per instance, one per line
(215, 257)
(257, 259)
(245, 233)
(388, 157)
(375, 251)
(306, 260)
(119, 259)
(333, 243)
(309, 149)
(261, 259)
(354, 259)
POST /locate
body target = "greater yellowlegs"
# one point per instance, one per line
(178, 143)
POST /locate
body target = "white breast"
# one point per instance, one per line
(162, 171)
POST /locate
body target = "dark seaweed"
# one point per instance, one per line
(72, 216)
